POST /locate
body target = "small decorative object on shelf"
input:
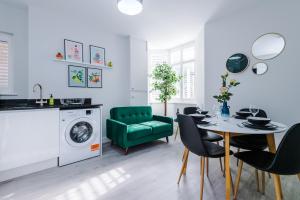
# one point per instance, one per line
(59, 56)
(225, 95)
(110, 64)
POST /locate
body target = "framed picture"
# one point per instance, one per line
(73, 51)
(97, 55)
(76, 76)
(94, 78)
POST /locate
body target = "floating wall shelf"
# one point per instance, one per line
(84, 64)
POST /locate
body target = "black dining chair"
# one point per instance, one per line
(194, 142)
(286, 160)
(206, 135)
(251, 142)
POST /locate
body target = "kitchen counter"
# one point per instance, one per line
(29, 104)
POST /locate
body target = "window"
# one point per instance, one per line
(156, 57)
(6, 79)
(182, 60)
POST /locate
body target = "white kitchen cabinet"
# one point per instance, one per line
(28, 137)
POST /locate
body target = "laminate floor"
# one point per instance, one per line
(149, 172)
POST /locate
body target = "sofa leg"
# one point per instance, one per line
(167, 138)
(126, 152)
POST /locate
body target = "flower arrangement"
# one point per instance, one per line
(225, 95)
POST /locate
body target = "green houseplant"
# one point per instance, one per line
(165, 79)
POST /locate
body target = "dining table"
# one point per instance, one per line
(229, 127)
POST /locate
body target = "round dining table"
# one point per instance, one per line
(234, 127)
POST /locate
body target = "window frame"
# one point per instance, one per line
(181, 63)
(8, 37)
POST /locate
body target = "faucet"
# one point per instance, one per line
(41, 101)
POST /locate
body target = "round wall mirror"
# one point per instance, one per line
(237, 63)
(260, 68)
(268, 46)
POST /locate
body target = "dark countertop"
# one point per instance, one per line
(29, 104)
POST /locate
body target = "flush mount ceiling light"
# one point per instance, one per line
(130, 7)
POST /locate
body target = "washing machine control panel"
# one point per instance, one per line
(88, 112)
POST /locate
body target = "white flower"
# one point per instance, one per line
(223, 90)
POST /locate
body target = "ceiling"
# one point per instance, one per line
(163, 23)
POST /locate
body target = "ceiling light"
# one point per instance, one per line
(130, 7)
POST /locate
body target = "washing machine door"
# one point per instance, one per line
(80, 132)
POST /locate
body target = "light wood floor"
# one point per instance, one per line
(149, 172)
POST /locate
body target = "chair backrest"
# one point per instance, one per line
(190, 110)
(261, 113)
(190, 136)
(132, 114)
(287, 158)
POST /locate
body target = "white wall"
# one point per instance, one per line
(278, 90)
(14, 20)
(47, 31)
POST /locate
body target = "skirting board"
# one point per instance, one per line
(105, 140)
(28, 169)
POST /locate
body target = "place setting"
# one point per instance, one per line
(201, 117)
(251, 120)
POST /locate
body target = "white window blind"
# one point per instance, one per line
(183, 62)
(6, 71)
(4, 64)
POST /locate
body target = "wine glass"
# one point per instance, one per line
(216, 110)
(254, 110)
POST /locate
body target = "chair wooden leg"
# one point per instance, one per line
(176, 132)
(186, 162)
(237, 160)
(184, 154)
(277, 186)
(232, 186)
(207, 166)
(263, 182)
(202, 177)
(221, 166)
(257, 179)
(237, 179)
(182, 168)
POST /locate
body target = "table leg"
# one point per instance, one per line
(227, 165)
(276, 178)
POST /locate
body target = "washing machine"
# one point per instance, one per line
(80, 135)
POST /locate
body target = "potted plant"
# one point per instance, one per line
(225, 95)
(165, 79)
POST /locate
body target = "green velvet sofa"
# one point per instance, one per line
(130, 126)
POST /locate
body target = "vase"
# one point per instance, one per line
(225, 112)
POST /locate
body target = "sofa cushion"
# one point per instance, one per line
(132, 114)
(158, 127)
(136, 131)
